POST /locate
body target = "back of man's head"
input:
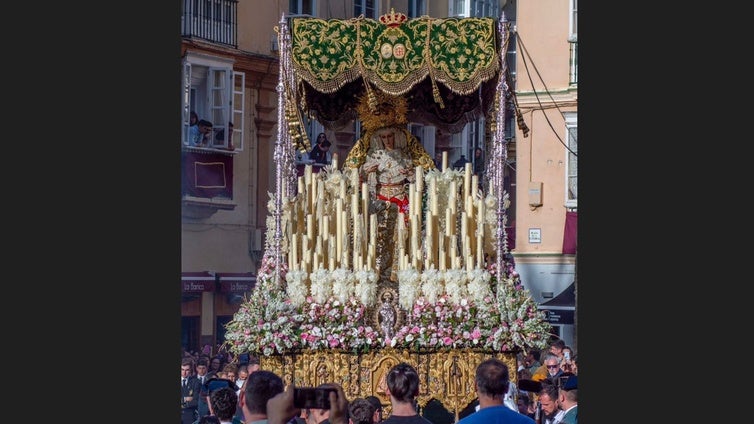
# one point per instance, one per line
(261, 386)
(403, 382)
(360, 411)
(492, 378)
(375, 401)
(224, 402)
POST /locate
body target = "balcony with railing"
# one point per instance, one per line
(211, 20)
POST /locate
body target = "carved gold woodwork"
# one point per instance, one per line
(446, 376)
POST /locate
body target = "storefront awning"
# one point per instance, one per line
(236, 282)
(195, 282)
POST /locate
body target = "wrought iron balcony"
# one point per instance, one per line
(211, 20)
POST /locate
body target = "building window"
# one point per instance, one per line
(571, 120)
(474, 8)
(366, 8)
(211, 20)
(302, 7)
(574, 43)
(573, 23)
(416, 8)
(215, 92)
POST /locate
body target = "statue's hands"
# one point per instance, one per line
(369, 168)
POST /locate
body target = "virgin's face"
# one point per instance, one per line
(388, 139)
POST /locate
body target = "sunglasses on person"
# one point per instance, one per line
(552, 367)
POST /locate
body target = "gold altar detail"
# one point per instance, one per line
(446, 376)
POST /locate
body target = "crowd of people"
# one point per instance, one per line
(222, 389)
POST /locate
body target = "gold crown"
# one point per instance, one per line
(377, 109)
(393, 19)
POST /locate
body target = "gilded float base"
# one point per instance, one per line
(446, 376)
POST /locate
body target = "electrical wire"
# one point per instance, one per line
(546, 90)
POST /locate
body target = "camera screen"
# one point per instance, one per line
(310, 397)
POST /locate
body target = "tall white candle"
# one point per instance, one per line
(481, 219)
(294, 248)
(453, 195)
(414, 238)
(479, 253)
(448, 222)
(467, 180)
(444, 160)
(433, 196)
(310, 226)
(419, 179)
(339, 227)
(334, 161)
(365, 203)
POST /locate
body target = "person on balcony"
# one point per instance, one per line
(320, 153)
(199, 134)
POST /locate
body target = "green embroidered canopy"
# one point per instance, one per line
(447, 68)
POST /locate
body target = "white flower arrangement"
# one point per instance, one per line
(296, 288)
(321, 288)
(365, 286)
(488, 314)
(479, 285)
(432, 284)
(455, 285)
(342, 284)
(408, 287)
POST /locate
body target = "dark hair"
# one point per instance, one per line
(403, 382)
(209, 419)
(492, 378)
(261, 386)
(551, 390)
(558, 343)
(360, 411)
(205, 122)
(224, 402)
(375, 401)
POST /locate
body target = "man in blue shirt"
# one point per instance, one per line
(491, 383)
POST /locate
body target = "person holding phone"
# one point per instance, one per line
(317, 402)
(568, 364)
(281, 408)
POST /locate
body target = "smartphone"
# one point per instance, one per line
(312, 397)
(567, 355)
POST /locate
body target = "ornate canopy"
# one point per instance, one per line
(447, 68)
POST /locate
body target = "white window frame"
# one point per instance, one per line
(573, 21)
(571, 160)
(216, 93)
(360, 8)
(474, 8)
(573, 39)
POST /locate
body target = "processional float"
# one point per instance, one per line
(348, 286)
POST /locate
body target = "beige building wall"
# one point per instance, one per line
(544, 95)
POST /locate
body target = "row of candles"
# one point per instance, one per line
(325, 230)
